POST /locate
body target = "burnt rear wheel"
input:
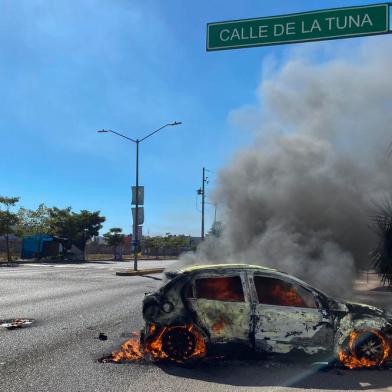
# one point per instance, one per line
(366, 348)
(369, 347)
(178, 343)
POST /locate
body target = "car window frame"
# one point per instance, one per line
(255, 299)
(204, 275)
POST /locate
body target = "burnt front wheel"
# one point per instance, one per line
(182, 343)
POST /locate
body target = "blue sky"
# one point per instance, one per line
(69, 68)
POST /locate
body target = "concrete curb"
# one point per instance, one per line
(140, 272)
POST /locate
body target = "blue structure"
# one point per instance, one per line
(40, 245)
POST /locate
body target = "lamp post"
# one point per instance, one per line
(137, 142)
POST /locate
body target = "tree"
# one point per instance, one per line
(153, 244)
(176, 241)
(114, 238)
(216, 229)
(78, 228)
(382, 254)
(8, 220)
(33, 221)
(169, 244)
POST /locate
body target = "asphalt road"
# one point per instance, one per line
(73, 304)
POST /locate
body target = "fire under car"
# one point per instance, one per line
(204, 309)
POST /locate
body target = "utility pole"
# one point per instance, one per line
(202, 191)
(202, 203)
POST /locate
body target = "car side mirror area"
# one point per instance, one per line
(324, 308)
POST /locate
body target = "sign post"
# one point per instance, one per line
(302, 27)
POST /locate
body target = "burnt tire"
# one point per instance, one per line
(369, 347)
(179, 344)
(366, 348)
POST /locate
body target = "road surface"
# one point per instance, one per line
(73, 304)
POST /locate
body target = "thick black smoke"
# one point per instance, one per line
(300, 198)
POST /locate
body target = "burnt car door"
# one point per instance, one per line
(289, 316)
(221, 303)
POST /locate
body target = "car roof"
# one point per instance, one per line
(201, 267)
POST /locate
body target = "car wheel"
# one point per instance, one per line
(365, 349)
(181, 343)
(369, 347)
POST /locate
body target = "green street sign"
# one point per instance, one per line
(301, 27)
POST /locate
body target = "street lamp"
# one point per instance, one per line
(137, 141)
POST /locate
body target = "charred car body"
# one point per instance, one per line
(202, 309)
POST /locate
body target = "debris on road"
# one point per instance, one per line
(16, 323)
(102, 336)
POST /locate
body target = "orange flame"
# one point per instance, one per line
(287, 297)
(220, 289)
(218, 326)
(349, 359)
(130, 351)
(153, 348)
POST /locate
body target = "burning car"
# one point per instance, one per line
(203, 309)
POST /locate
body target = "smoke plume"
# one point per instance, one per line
(299, 199)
